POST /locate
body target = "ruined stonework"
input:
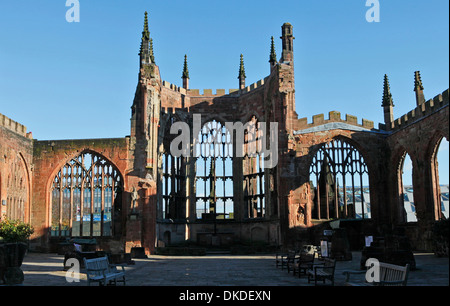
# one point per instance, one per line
(134, 192)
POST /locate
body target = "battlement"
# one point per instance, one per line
(421, 111)
(333, 116)
(14, 126)
(209, 92)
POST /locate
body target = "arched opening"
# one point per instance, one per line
(440, 177)
(214, 172)
(85, 194)
(339, 180)
(406, 187)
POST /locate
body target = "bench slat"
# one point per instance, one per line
(99, 270)
(390, 275)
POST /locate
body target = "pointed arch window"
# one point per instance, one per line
(408, 208)
(214, 173)
(84, 195)
(253, 171)
(173, 178)
(16, 189)
(340, 180)
(439, 177)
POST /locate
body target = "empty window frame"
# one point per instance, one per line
(340, 181)
(253, 171)
(214, 172)
(84, 194)
(407, 200)
(173, 179)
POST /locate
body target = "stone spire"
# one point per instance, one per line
(418, 88)
(388, 104)
(387, 96)
(273, 55)
(144, 52)
(185, 75)
(241, 76)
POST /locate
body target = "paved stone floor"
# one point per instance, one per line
(219, 270)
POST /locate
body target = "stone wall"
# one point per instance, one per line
(16, 154)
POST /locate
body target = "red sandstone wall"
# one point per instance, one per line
(15, 143)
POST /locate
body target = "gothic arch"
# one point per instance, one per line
(84, 195)
(340, 159)
(214, 184)
(403, 200)
(434, 184)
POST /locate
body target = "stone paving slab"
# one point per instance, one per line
(219, 270)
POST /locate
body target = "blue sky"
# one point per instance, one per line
(77, 80)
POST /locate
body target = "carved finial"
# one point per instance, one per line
(418, 88)
(146, 32)
(185, 69)
(241, 76)
(273, 55)
(417, 81)
(145, 37)
(241, 68)
(387, 96)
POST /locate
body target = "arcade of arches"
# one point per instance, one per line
(136, 192)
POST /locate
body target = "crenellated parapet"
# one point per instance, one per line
(14, 126)
(421, 111)
(218, 92)
(334, 117)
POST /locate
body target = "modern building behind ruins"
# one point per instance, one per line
(135, 192)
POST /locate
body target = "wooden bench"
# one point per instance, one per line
(390, 275)
(301, 263)
(284, 259)
(99, 270)
(322, 272)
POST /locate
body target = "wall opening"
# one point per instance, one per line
(406, 187)
(339, 180)
(214, 173)
(85, 193)
(440, 163)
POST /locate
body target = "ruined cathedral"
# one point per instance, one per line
(224, 186)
